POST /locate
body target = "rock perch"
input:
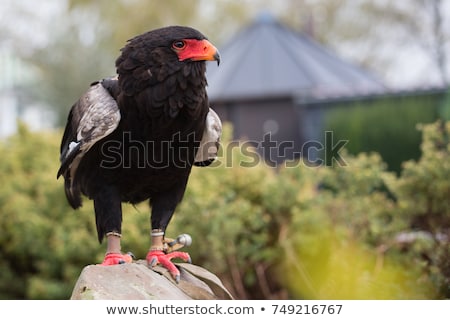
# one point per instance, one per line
(135, 281)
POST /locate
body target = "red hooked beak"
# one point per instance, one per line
(196, 50)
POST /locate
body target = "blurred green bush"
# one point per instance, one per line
(353, 232)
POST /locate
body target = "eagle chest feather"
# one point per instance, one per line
(176, 101)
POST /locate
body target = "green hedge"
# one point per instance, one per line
(385, 125)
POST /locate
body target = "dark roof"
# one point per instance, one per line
(267, 59)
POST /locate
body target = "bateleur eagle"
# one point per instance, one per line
(135, 137)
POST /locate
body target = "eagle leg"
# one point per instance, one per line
(117, 258)
(155, 257)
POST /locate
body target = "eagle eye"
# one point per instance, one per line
(179, 44)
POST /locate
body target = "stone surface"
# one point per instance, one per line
(135, 281)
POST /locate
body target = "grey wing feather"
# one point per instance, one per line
(101, 117)
(210, 143)
(93, 117)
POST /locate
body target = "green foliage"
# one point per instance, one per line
(355, 231)
(367, 234)
(43, 243)
(423, 199)
(337, 244)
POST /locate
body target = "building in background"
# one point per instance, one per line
(277, 87)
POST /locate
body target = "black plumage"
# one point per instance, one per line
(135, 137)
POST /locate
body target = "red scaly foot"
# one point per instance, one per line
(155, 257)
(117, 258)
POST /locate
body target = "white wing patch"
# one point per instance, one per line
(72, 146)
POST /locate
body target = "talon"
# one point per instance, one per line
(153, 262)
(159, 257)
(180, 255)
